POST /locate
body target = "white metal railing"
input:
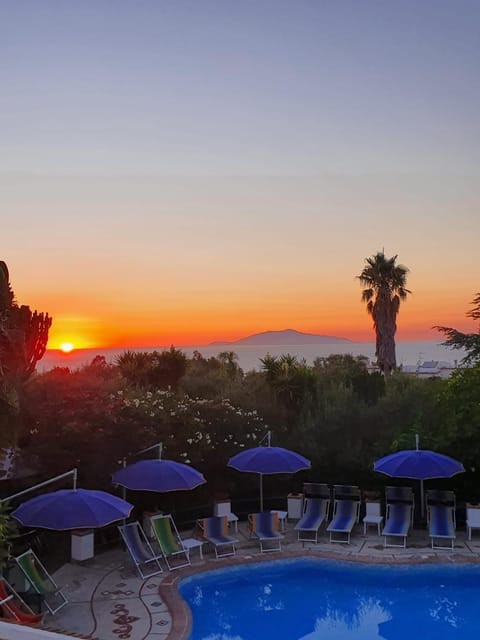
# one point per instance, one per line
(11, 631)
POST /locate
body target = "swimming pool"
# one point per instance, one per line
(313, 599)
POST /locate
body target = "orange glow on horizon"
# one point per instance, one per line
(189, 322)
(120, 337)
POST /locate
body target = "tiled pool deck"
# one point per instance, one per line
(107, 600)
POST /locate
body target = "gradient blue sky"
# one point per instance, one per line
(176, 172)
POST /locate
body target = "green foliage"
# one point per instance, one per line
(460, 402)
(23, 340)
(71, 421)
(335, 413)
(7, 296)
(470, 342)
(341, 366)
(369, 387)
(292, 382)
(202, 432)
(23, 334)
(212, 377)
(90, 420)
(8, 532)
(152, 370)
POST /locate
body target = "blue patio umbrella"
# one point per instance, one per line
(72, 509)
(158, 475)
(267, 460)
(418, 464)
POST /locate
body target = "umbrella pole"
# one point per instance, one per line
(124, 489)
(261, 492)
(422, 500)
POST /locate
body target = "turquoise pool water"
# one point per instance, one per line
(314, 599)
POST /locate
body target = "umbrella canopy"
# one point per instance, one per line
(158, 475)
(268, 460)
(72, 509)
(418, 464)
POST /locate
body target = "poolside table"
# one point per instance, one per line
(193, 543)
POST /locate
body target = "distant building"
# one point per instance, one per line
(429, 369)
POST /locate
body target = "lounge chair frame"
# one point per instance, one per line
(265, 527)
(441, 518)
(315, 513)
(41, 581)
(214, 530)
(346, 513)
(440, 496)
(403, 495)
(169, 541)
(441, 526)
(346, 492)
(146, 561)
(397, 513)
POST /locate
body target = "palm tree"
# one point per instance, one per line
(229, 360)
(384, 283)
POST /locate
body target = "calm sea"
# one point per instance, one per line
(408, 353)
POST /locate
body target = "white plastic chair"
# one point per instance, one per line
(224, 508)
(372, 516)
(473, 520)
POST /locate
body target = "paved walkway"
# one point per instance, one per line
(107, 600)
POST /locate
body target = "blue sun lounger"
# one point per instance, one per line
(397, 524)
(399, 494)
(215, 531)
(264, 526)
(315, 512)
(146, 561)
(345, 514)
(441, 496)
(346, 492)
(441, 526)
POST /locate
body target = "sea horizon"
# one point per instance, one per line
(408, 353)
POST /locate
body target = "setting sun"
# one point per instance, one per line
(66, 347)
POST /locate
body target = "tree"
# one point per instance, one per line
(23, 340)
(384, 283)
(468, 341)
(457, 429)
(153, 370)
(293, 384)
(229, 360)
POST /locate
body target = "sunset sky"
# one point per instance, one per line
(177, 172)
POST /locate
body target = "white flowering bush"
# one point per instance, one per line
(201, 432)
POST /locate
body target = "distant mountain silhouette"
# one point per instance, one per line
(283, 338)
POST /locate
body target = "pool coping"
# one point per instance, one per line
(180, 612)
